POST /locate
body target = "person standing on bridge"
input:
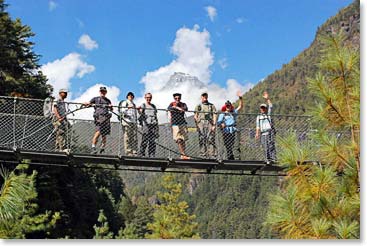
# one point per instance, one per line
(227, 122)
(265, 130)
(129, 120)
(149, 121)
(205, 119)
(102, 107)
(60, 122)
(177, 110)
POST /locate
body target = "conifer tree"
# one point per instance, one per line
(19, 68)
(19, 217)
(102, 230)
(321, 199)
(171, 219)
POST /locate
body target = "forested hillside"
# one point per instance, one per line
(64, 202)
(288, 85)
(236, 207)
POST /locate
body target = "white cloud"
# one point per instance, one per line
(223, 63)
(212, 12)
(88, 43)
(240, 20)
(52, 5)
(193, 56)
(61, 71)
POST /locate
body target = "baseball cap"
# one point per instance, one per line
(263, 105)
(103, 88)
(63, 90)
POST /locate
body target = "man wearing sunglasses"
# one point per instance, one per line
(177, 110)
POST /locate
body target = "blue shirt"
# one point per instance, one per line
(229, 119)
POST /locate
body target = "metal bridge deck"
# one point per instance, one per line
(126, 162)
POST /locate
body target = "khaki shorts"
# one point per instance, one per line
(179, 132)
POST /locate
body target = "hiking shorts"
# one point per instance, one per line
(179, 133)
(103, 127)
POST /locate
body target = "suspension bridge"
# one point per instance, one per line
(27, 134)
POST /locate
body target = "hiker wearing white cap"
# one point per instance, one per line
(59, 120)
(265, 130)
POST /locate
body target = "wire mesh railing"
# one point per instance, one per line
(30, 124)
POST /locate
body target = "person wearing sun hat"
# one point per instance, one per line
(227, 123)
(265, 130)
(205, 119)
(59, 120)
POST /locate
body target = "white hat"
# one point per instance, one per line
(263, 105)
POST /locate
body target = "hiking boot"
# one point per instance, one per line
(67, 151)
(94, 150)
(184, 157)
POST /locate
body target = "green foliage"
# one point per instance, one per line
(19, 213)
(171, 219)
(80, 194)
(18, 62)
(322, 201)
(102, 230)
(289, 84)
(130, 232)
(142, 216)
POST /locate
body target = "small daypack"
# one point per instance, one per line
(142, 117)
(48, 107)
(269, 124)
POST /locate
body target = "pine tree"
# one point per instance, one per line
(171, 219)
(19, 68)
(322, 201)
(102, 230)
(129, 232)
(142, 216)
(19, 216)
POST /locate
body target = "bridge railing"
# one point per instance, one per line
(23, 125)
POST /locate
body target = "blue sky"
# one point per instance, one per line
(247, 40)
